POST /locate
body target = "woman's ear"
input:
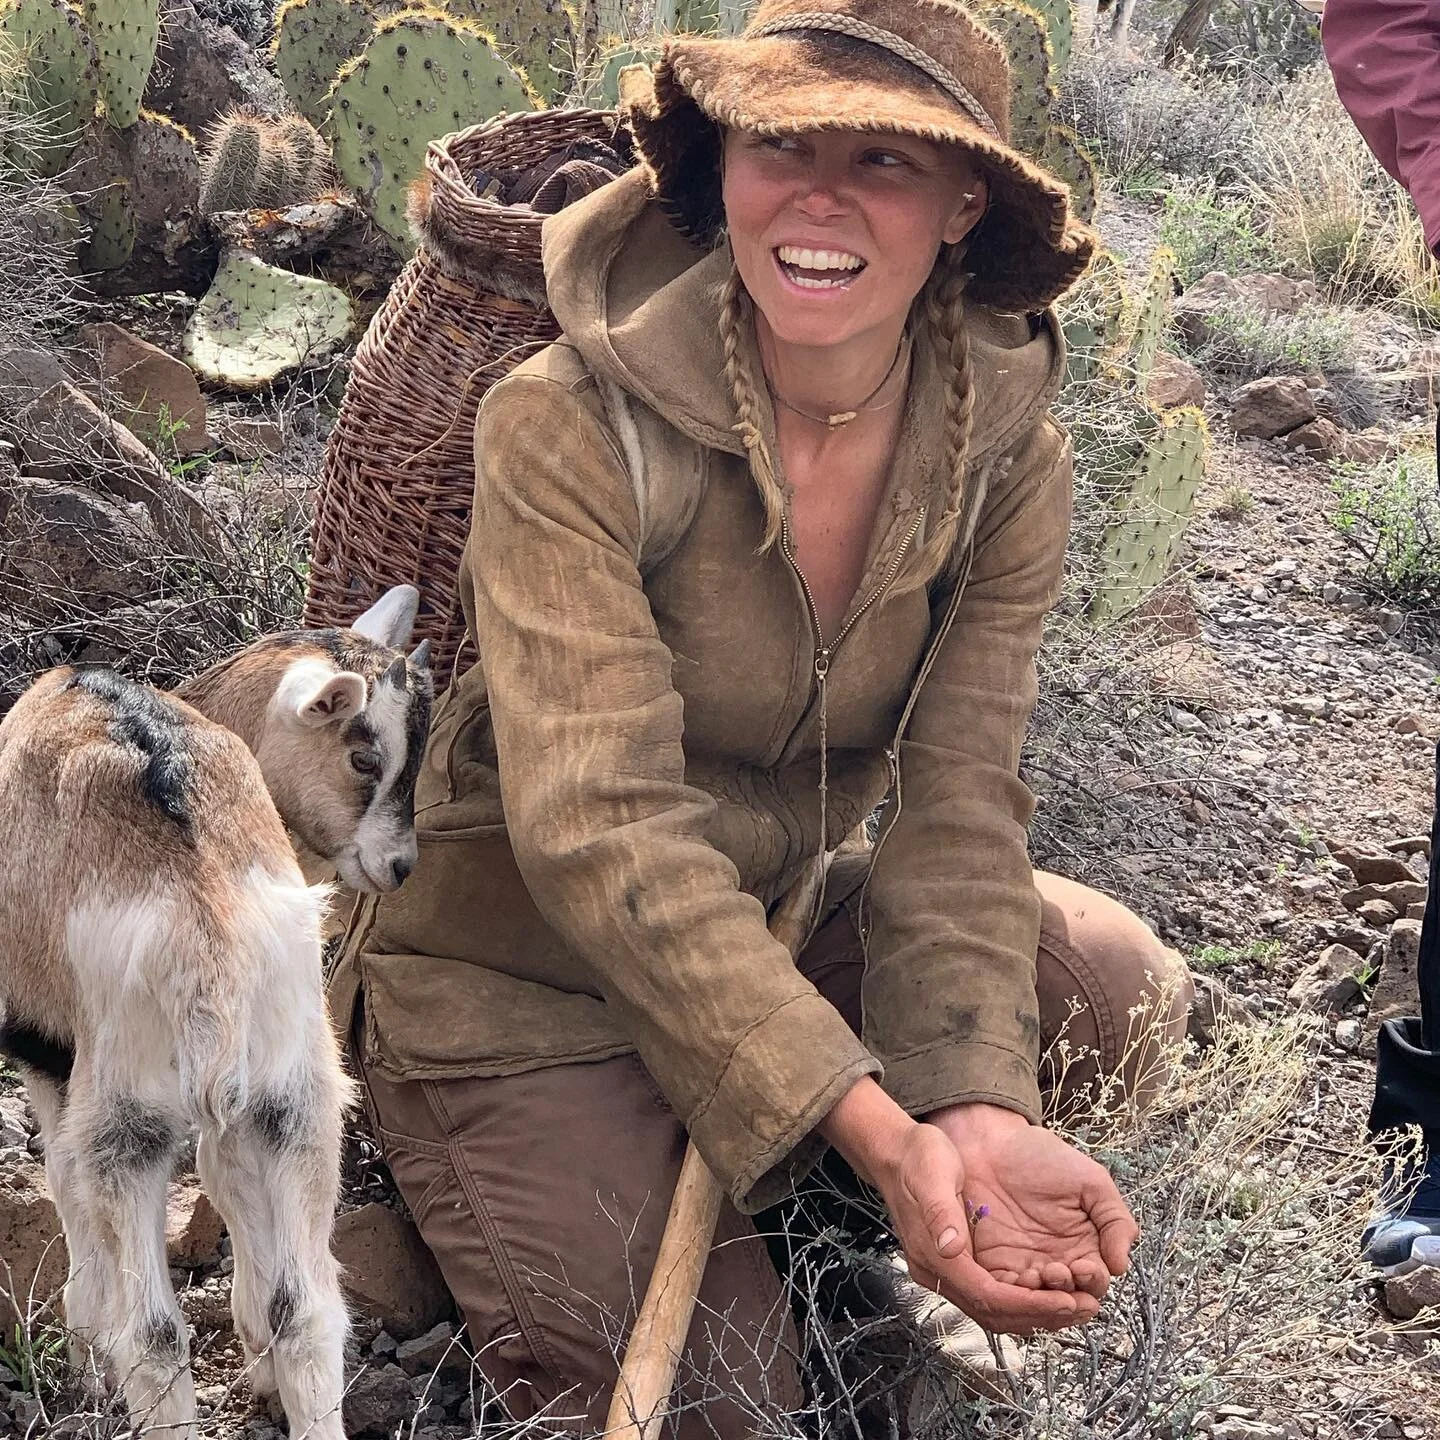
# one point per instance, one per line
(974, 197)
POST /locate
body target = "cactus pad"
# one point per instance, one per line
(1147, 324)
(420, 77)
(63, 79)
(125, 33)
(1059, 17)
(537, 37)
(1090, 314)
(1026, 39)
(603, 87)
(110, 214)
(1138, 548)
(313, 39)
(257, 322)
(1067, 159)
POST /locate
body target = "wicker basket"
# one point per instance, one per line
(398, 476)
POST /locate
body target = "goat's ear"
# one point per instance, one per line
(337, 697)
(391, 618)
(420, 656)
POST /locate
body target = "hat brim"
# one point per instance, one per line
(1026, 251)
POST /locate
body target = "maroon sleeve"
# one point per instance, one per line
(1385, 56)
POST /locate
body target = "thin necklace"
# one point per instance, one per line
(844, 417)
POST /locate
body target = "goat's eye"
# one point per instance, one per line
(365, 762)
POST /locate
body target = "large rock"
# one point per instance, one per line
(25, 374)
(33, 1263)
(153, 166)
(65, 436)
(1266, 294)
(193, 1227)
(203, 69)
(1397, 991)
(1271, 406)
(159, 394)
(1174, 382)
(377, 1400)
(61, 546)
(1370, 867)
(1331, 982)
(389, 1275)
(1399, 893)
(1322, 438)
(1407, 1295)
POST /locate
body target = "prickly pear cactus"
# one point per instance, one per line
(1147, 323)
(1059, 17)
(697, 17)
(1137, 550)
(1090, 314)
(420, 77)
(1067, 159)
(603, 86)
(313, 39)
(63, 78)
(110, 217)
(231, 167)
(1023, 32)
(257, 322)
(536, 37)
(125, 33)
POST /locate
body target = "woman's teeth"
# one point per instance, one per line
(818, 269)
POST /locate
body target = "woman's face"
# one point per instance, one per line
(836, 232)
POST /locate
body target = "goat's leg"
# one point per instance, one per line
(231, 1180)
(91, 1285)
(290, 1292)
(124, 1170)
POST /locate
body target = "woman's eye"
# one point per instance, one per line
(365, 762)
(885, 158)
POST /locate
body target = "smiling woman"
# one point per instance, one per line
(766, 540)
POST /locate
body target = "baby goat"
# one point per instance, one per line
(160, 969)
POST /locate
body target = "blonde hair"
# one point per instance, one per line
(940, 311)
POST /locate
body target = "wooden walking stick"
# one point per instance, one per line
(642, 1394)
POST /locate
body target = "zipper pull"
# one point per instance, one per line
(822, 663)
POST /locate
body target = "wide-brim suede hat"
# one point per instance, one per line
(910, 67)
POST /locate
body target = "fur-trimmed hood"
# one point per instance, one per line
(641, 304)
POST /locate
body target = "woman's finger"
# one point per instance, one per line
(1010, 1308)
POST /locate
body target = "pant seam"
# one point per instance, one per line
(529, 1326)
(1106, 1029)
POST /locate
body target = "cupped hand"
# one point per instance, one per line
(1014, 1226)
(1041, 1214)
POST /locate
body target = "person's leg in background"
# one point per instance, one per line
(1407, 1092)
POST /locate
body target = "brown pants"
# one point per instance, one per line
(543, 1195)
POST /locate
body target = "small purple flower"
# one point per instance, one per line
(976, 1215)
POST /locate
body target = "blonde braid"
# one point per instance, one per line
(944, 304)
(733, 300)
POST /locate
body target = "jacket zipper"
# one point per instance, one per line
(825, 653)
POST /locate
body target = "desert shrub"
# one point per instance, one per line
(1390, 515)
(1273, 38)
(1330, 209)
(1147, 125)
(1243, 342)
(1208, 232)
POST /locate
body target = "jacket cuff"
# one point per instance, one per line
(756, 1129)
(959, 1072)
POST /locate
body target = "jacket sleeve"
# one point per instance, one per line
(1385, 56)
(952, 918)
(607, 834)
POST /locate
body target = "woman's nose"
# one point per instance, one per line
(822, 193)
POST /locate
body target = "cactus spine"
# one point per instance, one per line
(255, 162)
